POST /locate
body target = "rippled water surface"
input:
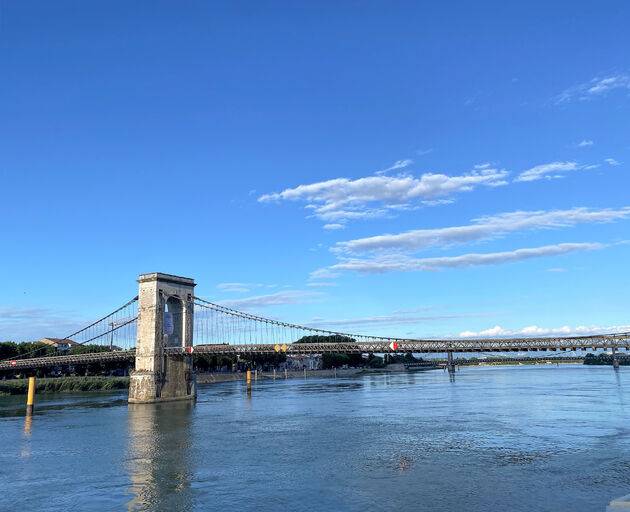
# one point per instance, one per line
(501, 438)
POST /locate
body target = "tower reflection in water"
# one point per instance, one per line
(160, 456)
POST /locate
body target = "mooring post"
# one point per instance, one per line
(286, 373)
(256, 374)
(274, 373)
(249, 381)
(31, 396)
(305, 372)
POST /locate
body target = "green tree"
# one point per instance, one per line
(376, 362)
(88, 349)
(8, 349)
(332, 338)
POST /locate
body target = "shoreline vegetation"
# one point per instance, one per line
(63, 385)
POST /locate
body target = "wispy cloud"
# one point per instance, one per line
(611, 161)
(585, 143)
(244, 287)
(323, 273)
(28, 324)
(404, 263)
(275, 299)
(550, 170)
(597, 87)
(483, 228)
(534, 331)
(321, 284)
(341, 199)
(415, 310)
(399, 164)
(334, 226)
(235, 287)
(388, 320)
(557, 269)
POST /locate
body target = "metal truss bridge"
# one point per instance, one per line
(219, 330)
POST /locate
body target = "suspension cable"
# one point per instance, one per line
(249, 316)
(26, 354)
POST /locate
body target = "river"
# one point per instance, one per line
(527, 438)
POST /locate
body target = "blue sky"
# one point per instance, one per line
(398, 168)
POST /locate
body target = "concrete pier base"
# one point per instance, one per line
(151, 387)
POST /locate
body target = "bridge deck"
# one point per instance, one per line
(604, 342)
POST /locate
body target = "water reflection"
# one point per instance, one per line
(619, 387)
(26, 444)
(28, 425)
(160, 463)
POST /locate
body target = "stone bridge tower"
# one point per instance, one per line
(165, 320)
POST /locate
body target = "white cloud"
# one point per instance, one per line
(482, 228)
(423, 151)
(334, 226)
(403, 263)
(321, 284)
(534, 331)
(342, 199)
(556, 270)
(597, 87)
(611, 161)
(400, 164)
(585, 143)
(275, 299)
(544, 170)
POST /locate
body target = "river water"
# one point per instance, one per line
(530, 438)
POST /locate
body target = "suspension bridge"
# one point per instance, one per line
(167, 323)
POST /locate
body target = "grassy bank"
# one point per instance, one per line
(65, 384)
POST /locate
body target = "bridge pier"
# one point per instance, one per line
(165, 321)
(450, 363)
(615, 359)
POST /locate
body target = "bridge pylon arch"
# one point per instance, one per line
(165, 322)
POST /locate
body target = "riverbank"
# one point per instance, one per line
(63, 385)
(74, 384)
(522, 363)
(211, 378)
